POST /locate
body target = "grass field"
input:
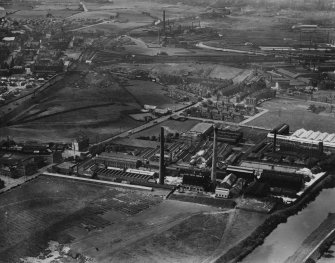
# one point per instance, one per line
(151, 93)
(294, 113)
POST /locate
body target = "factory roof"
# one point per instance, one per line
(202, 128)
(310, 137)
(118, 156)
(136, 143)
(287, 73)
(8, 39)
(314, 135)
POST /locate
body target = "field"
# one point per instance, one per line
(93, 103)
(45, 208)
(294, 113)
(110, 224)
(195, 69)
(146, 92)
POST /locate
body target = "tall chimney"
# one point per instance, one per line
(275, 140)
(164, 23)
(215, 155)
(161, 159)
(321, 148)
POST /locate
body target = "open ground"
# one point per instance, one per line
(111, 224)
(294, 113)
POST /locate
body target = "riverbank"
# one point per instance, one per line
(246, 246)
(313, 246)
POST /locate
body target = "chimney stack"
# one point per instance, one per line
(164, 23)
(274, 140)
(161, 158)
(321, 148)
(215, 155)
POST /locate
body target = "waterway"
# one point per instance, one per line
(288, 237)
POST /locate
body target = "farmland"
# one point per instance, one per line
(294, 113)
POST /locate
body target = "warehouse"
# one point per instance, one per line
(282, 180)
(242, 172)
(197, 133)
(228, 135)
(308, 139)
(118, 160)
(125, 176)
(229, 181)
(195, 180)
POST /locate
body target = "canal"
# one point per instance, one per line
(287, 237)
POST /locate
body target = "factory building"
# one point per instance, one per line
(257, 189)
(229, 181)
(237, 187)
(242, 172)
(195, 180)
(81, 143)
(229, 135)
(118, 160)
(308, 140)
(198, 132)
(125, 176)
(284, 180)
(222, 192)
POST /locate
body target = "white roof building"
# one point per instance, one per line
(8, 39)
(309, 137)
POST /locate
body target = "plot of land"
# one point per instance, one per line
(111, 224)
(45, 208)
(146, 92)
(295, 114)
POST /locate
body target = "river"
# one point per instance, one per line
(288, 237)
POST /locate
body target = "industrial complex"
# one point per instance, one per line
(143, 131)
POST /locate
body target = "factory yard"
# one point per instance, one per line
(110, 224)
(294, 113)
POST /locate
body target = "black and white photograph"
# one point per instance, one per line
(167, 131)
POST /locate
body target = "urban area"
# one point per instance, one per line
(167, 131)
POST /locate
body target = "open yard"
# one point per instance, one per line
(294, 113)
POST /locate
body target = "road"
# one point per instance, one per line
(146, 125)
(12, 183)
(175, 114)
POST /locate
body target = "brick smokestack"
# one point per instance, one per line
(274, 140)
(161, 158)
(321, 148)
(215, 155)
